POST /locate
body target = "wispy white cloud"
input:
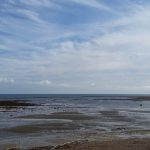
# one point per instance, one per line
(32, 15)
(108, 55)
(44, 82)
(45, 3)
(92, 3)
(6, 80)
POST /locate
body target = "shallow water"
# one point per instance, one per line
(60, 118)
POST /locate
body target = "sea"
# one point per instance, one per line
(58, 118)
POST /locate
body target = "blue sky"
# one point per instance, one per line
(74, 46)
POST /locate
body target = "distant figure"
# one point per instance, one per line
(141, 105)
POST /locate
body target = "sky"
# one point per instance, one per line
(75, 46)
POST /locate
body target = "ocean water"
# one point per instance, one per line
(59, 118)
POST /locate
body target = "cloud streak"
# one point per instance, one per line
(41, 48)
(6, 80)
(92, 3)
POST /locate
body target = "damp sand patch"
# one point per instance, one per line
(114, 116)
(138, 132)
(108, 113)
(60, 115)
(32, 128)
(140, 98)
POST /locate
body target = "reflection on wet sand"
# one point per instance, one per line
(60, 115)
(40, 127)
(55, 121)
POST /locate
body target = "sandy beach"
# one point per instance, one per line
(127, 144)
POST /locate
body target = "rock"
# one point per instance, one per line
(14, 148)
(69, 145)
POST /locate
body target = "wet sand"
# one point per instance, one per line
(53, 123)
(59, 121)
(60, 115)
(78, 124)
(60, 126)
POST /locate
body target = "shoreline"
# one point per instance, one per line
(35, 123)
(116, 144)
